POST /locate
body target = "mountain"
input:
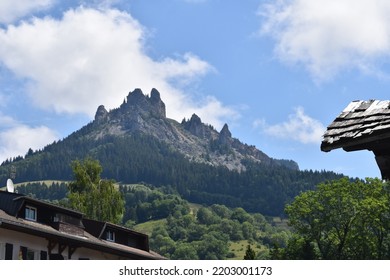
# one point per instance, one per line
(140, 114)
(138, 143)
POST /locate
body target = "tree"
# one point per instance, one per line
(344, 219)
(221, 210)
(299, 249)
(250, 254)
(185, 251)
(206, 216)
(241, 215)
(97, 198)
(213, 246)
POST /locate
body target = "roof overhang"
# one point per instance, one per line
(76, 241)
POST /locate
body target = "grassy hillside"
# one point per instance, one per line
(149, 226)
(237, 249)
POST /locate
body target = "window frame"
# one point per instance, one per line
(110, 235)
(31, 254)
(28, 211)
(26, 253)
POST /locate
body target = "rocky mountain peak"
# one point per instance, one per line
(146, 115)
(101, 114)
(157, 104)
(196, 127)
(195, 120)
(141, 104)
(225, 135)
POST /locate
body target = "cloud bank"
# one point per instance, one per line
(299, 127)
(329, 36)
(91, 57)
(11, 10)
(16, 138)
(88, 57)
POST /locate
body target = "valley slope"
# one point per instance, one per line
(138, 143)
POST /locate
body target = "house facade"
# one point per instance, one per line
(32, 229)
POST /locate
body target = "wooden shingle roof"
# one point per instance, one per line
(361, 125)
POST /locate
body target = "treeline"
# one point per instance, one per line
(53, 192)
(264, 188)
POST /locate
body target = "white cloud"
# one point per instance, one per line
(91, 57)
(215, 112)
(328, 36)
(16, 138)
(11, 10)
(6, 121)
(299, 127)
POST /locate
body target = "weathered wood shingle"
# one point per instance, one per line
(362, 125)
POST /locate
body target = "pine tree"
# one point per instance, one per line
(250, 254)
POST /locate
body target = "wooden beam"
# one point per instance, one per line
(61, 248)
(383, 162)
(71, 250)
(50, 246)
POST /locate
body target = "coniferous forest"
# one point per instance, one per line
(263, 188)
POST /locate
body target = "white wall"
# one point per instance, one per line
(40, 244)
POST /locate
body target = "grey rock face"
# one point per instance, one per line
(199, 142)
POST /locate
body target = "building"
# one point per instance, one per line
(34, 229)
(362, 125)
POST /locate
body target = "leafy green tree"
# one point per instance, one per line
(213, 246)
(221, 210)
(95, 197)
(299, 249)
(206, 216)
(344, 219)
(241, 215)
(248, 230)
(185, 251)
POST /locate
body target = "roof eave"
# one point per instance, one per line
(8, 224)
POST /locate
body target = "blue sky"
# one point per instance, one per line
(278, 72)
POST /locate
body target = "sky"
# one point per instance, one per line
(277, 72)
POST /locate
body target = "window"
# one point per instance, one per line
(28, 254)
(31, 213)
(43, 255)
(110, 235)
(6, 251)
(9, 250)
(31, 254)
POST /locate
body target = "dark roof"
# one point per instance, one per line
(11, 203)
(361, 125)
(8, 203)
(96, 228)
(51, 206)
(88, 240)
